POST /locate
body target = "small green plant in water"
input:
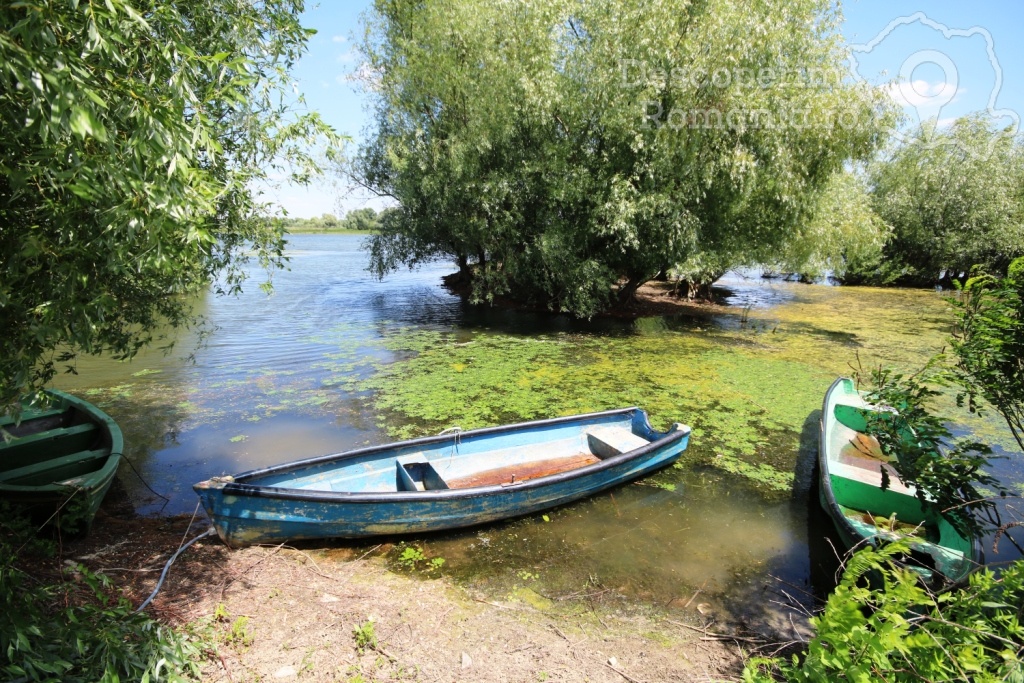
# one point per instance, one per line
(411, 556)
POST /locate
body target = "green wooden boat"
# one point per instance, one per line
(58, 459)
(850, 471)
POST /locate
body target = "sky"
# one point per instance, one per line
(948, 58)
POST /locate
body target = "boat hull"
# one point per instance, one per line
(58, 462)
(259, 506)
(850, 492)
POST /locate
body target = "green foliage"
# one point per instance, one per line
(844, 233)
(239, 633)
(365, 636)
(566, 152)
(235, 632)
(135, 133)
(75, 631)
(945, 473)
(954, 200)
(902, 632)
(411, 556)
(988, 342)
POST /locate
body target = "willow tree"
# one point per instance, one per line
(955, 200)
(568, 151)
(134, 134)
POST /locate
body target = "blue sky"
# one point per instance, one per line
(951, 58)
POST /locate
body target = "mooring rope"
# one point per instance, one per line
(167, 567)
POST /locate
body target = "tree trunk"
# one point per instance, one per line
(627, 292)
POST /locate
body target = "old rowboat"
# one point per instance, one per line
(850, 471)
(58, 459)
(439, 482)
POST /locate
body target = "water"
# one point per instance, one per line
(335, 359)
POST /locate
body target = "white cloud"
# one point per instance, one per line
(338, 39)
(921, 93)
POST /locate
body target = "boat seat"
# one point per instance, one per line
(860, 458)
(56, 470)
(415, 473)
(607, 442)
(32, 420)
(27, 450)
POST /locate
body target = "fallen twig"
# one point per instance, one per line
(708, 635)
(621, 673)
(494, 604)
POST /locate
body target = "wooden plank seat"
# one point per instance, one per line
(55, 470)
(28, 450)
(860, 458)
(512, 474)
(33, 421)
(606, 442)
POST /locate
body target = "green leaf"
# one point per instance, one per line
(85, 124)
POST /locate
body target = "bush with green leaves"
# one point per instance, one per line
(988, 343)
(75, 631)
(882, 624)
(945, 473)
(136, 135)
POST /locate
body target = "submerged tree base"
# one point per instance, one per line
(652, 299)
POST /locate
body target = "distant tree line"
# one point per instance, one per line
(365, 220)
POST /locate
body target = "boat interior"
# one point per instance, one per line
(491, 460)
(49, 445)
(855, 471)
(417, 473)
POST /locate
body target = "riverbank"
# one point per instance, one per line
(338, 613)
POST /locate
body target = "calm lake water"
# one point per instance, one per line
(335, 359)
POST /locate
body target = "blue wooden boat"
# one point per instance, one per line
(439, 482)
(58, 459)
(850, 474)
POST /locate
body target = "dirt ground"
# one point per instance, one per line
(283, 614)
